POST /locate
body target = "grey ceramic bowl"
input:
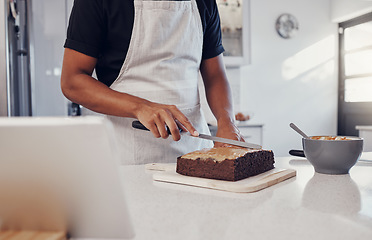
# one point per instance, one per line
(333, 156)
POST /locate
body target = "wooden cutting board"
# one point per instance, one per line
(167, 173)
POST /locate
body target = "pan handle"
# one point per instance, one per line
(297, 153)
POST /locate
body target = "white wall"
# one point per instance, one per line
(293, 80)
(343, 10)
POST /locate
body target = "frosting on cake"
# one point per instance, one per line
(219, 153)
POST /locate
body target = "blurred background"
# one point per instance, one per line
(302, 61)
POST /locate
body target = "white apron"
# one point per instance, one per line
(162, 66)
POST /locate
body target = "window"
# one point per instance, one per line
(355, 74)
(358, 62)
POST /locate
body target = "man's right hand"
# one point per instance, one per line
(158, 117)
(79, 87)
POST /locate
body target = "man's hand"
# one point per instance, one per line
(157, 117)
(228, 130)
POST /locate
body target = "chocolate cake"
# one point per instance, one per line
(225, 163)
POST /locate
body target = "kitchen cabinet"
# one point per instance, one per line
(235, 28)
(365, 132)
(251, 132)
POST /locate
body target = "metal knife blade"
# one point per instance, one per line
(228, 141)
(139, 125)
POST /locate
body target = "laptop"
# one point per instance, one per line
(62, 174)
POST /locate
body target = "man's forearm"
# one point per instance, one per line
(219, 98)
(94, 95)
(78, 86)
(220, 101)
(217, 89)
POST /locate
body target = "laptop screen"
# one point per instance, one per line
(62, 174)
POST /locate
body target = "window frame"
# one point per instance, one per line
(350, 108)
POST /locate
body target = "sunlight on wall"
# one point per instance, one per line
(321, 72)
(310, 58)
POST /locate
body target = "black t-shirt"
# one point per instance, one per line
(102, 29)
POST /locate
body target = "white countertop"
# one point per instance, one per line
(361, 127)
(308, 206)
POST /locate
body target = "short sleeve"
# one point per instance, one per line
(212, 45)
(86, 29)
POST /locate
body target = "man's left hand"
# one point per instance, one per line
(229, 131)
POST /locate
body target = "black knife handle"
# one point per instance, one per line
(297, 153)
(139, 125)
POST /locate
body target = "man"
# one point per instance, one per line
(147, 56)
